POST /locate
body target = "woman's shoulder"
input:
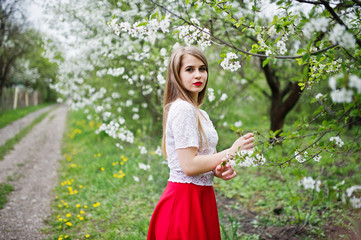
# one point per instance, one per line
(181, 105)
(205, 114)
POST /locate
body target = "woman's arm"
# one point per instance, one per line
(192, 164)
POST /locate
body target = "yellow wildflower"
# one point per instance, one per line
(69, 224)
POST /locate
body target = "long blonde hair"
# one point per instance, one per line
(174, 88)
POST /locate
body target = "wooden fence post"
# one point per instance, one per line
(16, 95)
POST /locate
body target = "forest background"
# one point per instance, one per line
(288, 71)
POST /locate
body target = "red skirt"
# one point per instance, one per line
(185, 211)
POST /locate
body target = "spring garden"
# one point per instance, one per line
(288, 71)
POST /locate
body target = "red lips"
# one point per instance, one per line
(198, 83)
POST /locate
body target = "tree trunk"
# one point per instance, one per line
(280, 107)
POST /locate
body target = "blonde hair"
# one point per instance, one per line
(174, 88)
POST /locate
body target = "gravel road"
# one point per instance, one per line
(31, 168)
(14, 128)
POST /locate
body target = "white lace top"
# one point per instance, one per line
(182, 132)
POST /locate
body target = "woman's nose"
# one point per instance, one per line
(197, 74)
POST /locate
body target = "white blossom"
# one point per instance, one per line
(301, 157)
(142, 150)
(355, 202)
(319, 96)
(341, 95)
(340, 35)
(191, 34)
(337, 140)
(272, 31)
(355, 82)
(136, 178)
(282, 46)
(143, 166)
(115, 95)
(248, 158)
(128, 103)
(163, 52)
(114, 130)
(158, 151)
(136, 116)
(211, 96)
(315, 25)
(230, 62)
(317, 158)
(309, 183)
(121, 120)
(238, 124)
(223, 97)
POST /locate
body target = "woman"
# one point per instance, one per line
(187, 209)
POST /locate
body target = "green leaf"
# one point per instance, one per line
(306, 57)
(265, 62)
(142, 24)
(300, 51)
(355, 113)
(275, 19)
(187, 2)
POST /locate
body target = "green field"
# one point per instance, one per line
(103, 194)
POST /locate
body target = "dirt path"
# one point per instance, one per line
(31, 167)
(14, 128)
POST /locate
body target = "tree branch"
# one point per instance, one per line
(357, 2)
(234, 47)
(337, 18)
(286, 90)
(271, 78)
(310, 2)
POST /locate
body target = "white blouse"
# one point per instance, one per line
(182, 132)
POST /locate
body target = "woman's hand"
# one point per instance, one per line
(225, 172)
(246, 142)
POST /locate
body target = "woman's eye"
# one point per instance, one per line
(189, 69)
(202, 69)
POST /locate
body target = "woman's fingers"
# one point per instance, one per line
(230, 176)
(248, 135)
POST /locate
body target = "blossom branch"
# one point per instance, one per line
(236, 48)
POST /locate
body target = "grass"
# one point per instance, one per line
(10, 143)
(10, 116)
(99, 198)
(5, 189)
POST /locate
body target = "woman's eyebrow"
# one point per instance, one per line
(193, 66)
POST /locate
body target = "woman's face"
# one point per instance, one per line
(193, 74)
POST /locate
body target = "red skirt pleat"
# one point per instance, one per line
(185, 211)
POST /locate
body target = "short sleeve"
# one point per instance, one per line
(183, 124)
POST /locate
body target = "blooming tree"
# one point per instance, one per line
(117, 70)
